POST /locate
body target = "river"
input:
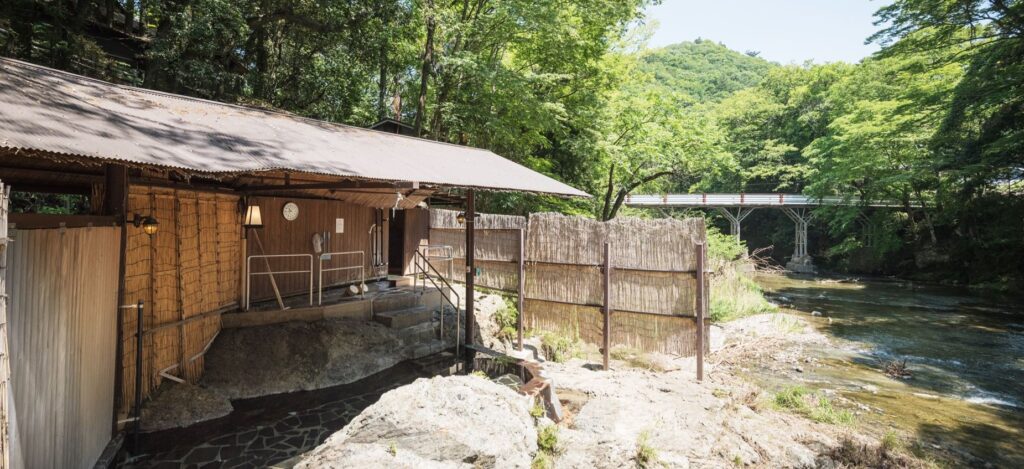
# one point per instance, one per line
(965, 398)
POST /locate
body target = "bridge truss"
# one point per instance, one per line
(736, 207)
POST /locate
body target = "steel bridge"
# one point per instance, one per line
(736, 207)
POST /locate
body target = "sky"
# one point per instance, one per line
(784, 31)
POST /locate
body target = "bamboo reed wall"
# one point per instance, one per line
(185, 274)
(654, 278)
(63, 334)
(497, 247)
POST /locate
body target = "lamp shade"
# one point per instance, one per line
(253, 218)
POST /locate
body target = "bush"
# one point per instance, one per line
(547, 439)
(506, 317)
(723, 247)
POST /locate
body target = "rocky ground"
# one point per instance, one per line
(279, 358)
(648, 412)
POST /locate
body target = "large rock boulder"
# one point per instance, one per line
(455, 421)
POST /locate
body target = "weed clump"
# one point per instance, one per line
(819, 408)
(547, 446)
(559, 348)
(507, 317)
(850, 453)
(646, 455)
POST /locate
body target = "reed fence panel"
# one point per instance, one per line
(186, 273)
(653, 283)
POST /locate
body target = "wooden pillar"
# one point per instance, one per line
(470, 269)
(607, 270)
(116, 203)
(522, 287)
(701, 306)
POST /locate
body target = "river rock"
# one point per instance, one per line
(455, 421)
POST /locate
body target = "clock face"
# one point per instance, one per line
(290, 211)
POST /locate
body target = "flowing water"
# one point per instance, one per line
(965, 398)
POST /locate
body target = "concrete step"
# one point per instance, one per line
(418, 333)
(404, 317)
(395, 301)
(429, 348)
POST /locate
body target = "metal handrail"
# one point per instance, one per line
(422, 269)
(330, 255)
(250, 273)
(447, 254)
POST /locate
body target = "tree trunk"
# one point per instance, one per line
(620, 198)
(608, 193)
(428, 63)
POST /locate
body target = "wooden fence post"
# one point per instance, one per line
(607, 302)
(522, 286)
(701, 304)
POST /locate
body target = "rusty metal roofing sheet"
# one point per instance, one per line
(55, 111)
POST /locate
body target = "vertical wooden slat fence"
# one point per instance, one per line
(5, 366)
(63, 301)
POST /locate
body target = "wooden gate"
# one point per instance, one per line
(5, 369)
(62, 329)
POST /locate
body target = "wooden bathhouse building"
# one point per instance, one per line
(196, 210)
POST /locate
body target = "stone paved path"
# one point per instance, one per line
(269, 431)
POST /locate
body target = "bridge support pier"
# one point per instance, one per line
(735, 219)
(868, 228)
(801, 262)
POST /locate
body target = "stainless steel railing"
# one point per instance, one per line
(271, 272)
(429, 273)
(361, 267)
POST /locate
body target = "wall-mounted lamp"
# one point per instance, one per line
(149, 224)
(253, 218)
(461, 217)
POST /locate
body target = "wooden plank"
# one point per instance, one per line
(36, 221)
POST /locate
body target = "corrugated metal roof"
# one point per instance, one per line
(55, 111)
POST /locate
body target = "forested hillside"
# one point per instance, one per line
(934, 121)
(704, 70)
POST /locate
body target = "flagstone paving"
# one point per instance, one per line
(269, 431)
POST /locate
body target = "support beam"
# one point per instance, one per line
(800, 262)
(735, 220)
(470, 272)
(868, 227)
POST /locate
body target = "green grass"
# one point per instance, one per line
(819, 408)
(646, 455)
(891, 442)
(735, 295)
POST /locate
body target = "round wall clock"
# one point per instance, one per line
(290, 211)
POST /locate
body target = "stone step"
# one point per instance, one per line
(404, 317)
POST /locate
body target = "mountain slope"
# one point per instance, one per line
(705, 70)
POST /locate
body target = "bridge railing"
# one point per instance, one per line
(747, 200)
